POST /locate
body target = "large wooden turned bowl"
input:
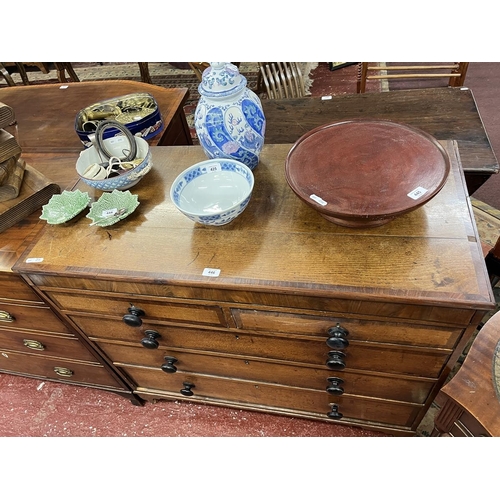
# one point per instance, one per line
(364, 173)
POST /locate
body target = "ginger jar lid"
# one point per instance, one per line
(221, 79)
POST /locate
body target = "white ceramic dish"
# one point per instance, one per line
(213, 192)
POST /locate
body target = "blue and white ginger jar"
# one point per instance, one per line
(229, 119)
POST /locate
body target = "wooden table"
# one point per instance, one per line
(46, 113)
(471, 404)
(445, 113)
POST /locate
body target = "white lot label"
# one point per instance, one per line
(34, 259)
(109, 212)
(214, 168)
(417, 193)
(208, 271)
(318, 200)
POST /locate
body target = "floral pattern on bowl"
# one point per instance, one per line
(112, 207)
(63, 207)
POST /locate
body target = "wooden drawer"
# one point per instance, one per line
(153, 310)
(50, 368)
(373, 331)
(385, 358)
(375, 385)
(67, 346)
(31, 317)
(13, 287)
(276, 397)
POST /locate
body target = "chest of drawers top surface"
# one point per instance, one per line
(278, 245)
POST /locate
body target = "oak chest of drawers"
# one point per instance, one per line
(34, 342)
(280, 311)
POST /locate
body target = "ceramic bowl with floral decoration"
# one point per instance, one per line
(213, 192)
(90, 164)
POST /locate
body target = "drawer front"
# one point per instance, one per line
(375, 385)
(363, 356)
(48, 345)
(373, 331)
(30, 317)
(153, 310)
(13, 287)
(61, 370)
(315, 403)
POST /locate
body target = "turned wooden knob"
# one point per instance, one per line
(186, 391)
(336, 360)
(168, 366)
(335, 386)
(149, 341)
(337, 337)
(133, 318)
(334, 413)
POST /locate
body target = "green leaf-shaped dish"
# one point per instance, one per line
(63, 207)
(112, 207)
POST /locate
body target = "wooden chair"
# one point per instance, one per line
(455, 72)
(282, 80)
(61, 67)
(471, 404)
(198, 68)
(492, 260)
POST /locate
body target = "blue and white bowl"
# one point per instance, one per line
(213, 192)
(116, 146)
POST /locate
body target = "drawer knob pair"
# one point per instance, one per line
(337, 338)
(133, 318)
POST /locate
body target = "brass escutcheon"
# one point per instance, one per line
(33, 344)
(7, 317)
(63, 372)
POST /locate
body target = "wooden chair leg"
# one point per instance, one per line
(361, 83)
(22, 72)
(6, 75)
(62, 68)
(458, 81)
(144, 69)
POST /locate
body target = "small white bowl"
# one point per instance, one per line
(213, 192)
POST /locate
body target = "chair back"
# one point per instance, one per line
(454, 72)
(282, 80)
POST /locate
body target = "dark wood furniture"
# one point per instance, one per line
(306, 318)
(61, 68)
(34, 342)
(492, 260)
(471, 404)
(46, 113)
(445, 113)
